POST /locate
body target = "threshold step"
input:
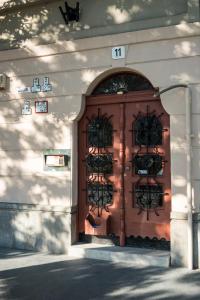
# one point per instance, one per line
(124, 255)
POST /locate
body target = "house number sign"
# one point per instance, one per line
(118, 52)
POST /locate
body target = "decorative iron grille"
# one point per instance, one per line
(123, 82)
(99, 162)
(149, 196)
(100, 132)
(99, 195)
(148, 164)
(148, 133)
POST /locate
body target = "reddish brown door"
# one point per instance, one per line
(124, 167)
(103, 202)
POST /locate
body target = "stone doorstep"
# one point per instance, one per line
(135, 257)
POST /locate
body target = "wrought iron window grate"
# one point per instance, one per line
(123, 82)
(148, 164)
(148, 134)
(149, 196)
(99, 195)
(148, 131)
(99, 162)
(100, 132)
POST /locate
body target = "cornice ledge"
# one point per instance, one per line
(32, 49)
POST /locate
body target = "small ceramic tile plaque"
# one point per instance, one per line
(41, 107)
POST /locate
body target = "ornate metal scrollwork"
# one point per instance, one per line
(100, 132)
(148, 164)
(123, 82)
(100, 194)
(148, 132)
(99, 162)
(148, 197)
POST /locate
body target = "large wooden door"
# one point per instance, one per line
(124, 167)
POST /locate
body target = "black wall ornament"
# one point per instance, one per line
(70, 14)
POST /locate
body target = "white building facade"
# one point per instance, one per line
(39, 194)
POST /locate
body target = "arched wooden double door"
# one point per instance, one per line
(124, 167)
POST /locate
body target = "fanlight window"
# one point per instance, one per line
(123, 82)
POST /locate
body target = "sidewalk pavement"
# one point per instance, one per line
(39, 276)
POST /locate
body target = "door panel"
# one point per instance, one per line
(124, 184)
(87, 176)
(147, 189)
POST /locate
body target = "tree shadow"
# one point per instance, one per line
(21, 21)
(6, 253)
(34, 203)
(90, 279)
(23, 139)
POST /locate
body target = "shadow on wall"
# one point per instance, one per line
(23, 138)
(45, 23)
(127, 11)
(35, 230)
(34, 204)
(21, 23)
(22, 179)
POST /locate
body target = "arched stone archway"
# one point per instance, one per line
(136, 94)
(109, 73)
(173, 103)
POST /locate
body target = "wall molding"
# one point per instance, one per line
(37, 207)
(30, 50)
(184, 216)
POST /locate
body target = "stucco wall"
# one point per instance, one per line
(42, 21)
(165, 56)
(35, 227)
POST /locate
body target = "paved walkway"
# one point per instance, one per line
(36, 276)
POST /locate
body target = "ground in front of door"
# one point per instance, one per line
(28, 275)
